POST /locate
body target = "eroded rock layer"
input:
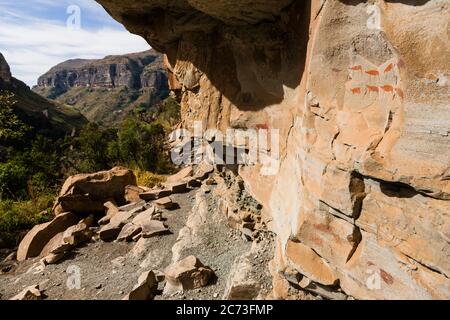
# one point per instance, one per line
(359, 93)
(107, 90)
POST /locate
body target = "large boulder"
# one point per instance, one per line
(188, 274)
(86, 193)
(35, 240)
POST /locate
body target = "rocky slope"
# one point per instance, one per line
(359, 93)
(44, 115)
(105, 90)
(176, 237)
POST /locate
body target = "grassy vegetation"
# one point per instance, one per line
(107, 106)
(147, 178)
(17, 216)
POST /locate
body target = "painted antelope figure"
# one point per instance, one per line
(389, 68)
(356, 68)
(372, 89)
(388, 89)
(373, 73)
(355, 90)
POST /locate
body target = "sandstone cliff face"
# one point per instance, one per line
(133, 71)
(129, 80)
(359, 92)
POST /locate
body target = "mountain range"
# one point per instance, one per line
(106, 90)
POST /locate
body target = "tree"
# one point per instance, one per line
(139, 144)
(92, 144)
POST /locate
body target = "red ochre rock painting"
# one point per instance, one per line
(386, 75)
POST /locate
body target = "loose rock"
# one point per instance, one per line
(128, 232)
(29, 293)
(188, 274)
(40, 235)
(145, 288)
(165, 203)
(153, 228)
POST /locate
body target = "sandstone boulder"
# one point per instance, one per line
(192, 182)
(56, 245)
(78, 203)
(188, 274)
(155, 194)
(145, 288)
(111, 210)
(182, 174)
(110, 231)
(132, 193)
(79, 233)
(203, 170)
(165, 203)
(53, 258)
(133, 207)
(129, 231)
(144, 216)
(177, 187)
(152, 228)
(29, 293)
(240, 284)
(122, 217)
(85, 193)
(40, 235)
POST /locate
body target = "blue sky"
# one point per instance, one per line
(35, 35)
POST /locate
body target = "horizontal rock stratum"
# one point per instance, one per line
(107, 89)
(359, 92)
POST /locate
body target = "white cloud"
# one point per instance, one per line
(32, 46)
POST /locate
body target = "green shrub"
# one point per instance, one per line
(16, 216)
(13, 180)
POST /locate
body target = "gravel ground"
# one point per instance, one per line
(218, 247)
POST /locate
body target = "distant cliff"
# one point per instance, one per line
(107, 89)
(45, 116)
